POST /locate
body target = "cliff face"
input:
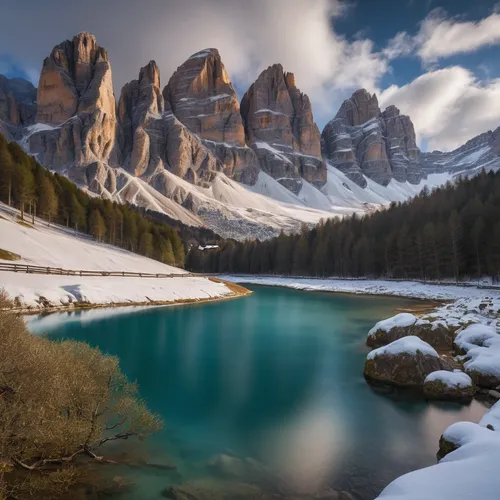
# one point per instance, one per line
(482, 151)
(279, 126)
(363, 141)
(76, 111)
(201, 96)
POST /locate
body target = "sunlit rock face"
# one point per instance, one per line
(151, 139)
(363, 141)
(76, 111)
(201, 96)
(279, 126)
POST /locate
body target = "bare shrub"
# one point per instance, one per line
(59, 400)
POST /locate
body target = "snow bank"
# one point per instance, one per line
(412, 289)
(476, 335)
(59, 247)
(482, 346)
(470, 472)
(406, 345)
(59, 291)
(455, 378)
(401, 319)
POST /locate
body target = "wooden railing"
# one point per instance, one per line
(27, 268)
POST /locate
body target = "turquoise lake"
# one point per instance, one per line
(276, 376)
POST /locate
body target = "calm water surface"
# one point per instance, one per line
(277, 376)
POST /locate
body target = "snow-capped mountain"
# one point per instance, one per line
(192, 152)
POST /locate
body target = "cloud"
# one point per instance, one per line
(250, 36)
(440, 36)
(448, 106)
(13, 69)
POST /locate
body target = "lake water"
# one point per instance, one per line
(277, 376)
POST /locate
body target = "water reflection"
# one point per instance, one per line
(276, 376)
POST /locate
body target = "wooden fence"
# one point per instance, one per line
(27, 268)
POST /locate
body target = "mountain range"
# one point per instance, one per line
(194, 152)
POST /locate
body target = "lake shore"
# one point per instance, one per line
(229, 291)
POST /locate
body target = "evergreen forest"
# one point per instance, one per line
(25, 184)
(452, 232)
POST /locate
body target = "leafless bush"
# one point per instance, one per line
(59, 400)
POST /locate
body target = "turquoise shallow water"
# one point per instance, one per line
(277, 376)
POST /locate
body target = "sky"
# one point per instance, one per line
(436, 60)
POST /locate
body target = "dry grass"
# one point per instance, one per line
(236, 289)
(6, 255)
(25, 224)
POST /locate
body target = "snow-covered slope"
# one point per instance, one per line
(481, 152)
(57, 247)
(239, 211)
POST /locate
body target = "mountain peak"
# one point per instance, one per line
(359, 108)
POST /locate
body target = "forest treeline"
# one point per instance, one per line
(25, 184)
(453, 232)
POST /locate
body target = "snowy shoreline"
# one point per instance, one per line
(56, 246)
(406, 289)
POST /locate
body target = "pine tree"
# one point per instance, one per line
(455, 229)
(6, 172)
(47, 201)
(24, 187)
(168, 256)
(146, 244)
(97, 225)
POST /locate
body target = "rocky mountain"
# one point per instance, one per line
(17, 104)
(483, 151)
(279, 126)
(363, 141)
(192, 152)
(201, 96)
(76, 117)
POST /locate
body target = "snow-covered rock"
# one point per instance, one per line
(386, 325)
(469, 471)
(437, 332)
(404, 363)
(446, 385)
(481, 344)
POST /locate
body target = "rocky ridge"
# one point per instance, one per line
(279, 126)
(184, 150)
(76, 117)
(364, 141)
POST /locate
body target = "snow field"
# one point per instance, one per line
(58, 247)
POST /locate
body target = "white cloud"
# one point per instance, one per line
(250, 36)
(440, 36)
(448, 106)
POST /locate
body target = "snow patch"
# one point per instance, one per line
(455, 378)
(405, 345)
(401, 319)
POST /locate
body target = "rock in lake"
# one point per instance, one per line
(437, 334)
(451, 386)
(213, 489)
(481, 346)
(403, 363)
